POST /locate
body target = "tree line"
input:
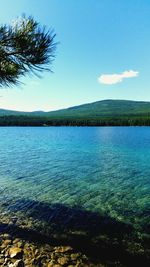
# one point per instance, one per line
(22, 120)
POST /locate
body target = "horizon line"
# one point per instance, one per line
(109, 99)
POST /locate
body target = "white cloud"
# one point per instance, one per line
(117, 78)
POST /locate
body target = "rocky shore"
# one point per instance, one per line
(28, 242)
(19, 253)
(16, 251)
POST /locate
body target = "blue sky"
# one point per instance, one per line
(97, 38)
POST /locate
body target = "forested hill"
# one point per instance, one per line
(105, 112)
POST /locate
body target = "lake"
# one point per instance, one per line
(71, 179)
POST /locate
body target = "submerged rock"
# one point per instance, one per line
(63, 260)
(62, 249)
(53, 265)
(6, 236)
(18, 263)
(15, 252)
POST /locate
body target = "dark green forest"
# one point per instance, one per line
(43, 121)
(101, 113)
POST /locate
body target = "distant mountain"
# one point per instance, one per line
(99, 108)
(107, 112)
(7, 112)
(105, 108)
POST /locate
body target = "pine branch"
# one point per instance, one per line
(24, 47)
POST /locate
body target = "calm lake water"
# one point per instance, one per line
(50, 172)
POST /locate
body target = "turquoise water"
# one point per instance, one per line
(100, 169)
(54, 172)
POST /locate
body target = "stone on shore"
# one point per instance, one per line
(63, 260)
(15, 252)
(63, 249)
(18, 263)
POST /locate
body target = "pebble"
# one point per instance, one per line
(62, 249)
(56, 265)
(74, 256)
(7, 242)
(18, 263)
(16, 240)
(15, 252)
(1, 261)
(6, 236)
(63, 260)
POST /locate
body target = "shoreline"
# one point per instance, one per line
(22, 247)
(22, 244)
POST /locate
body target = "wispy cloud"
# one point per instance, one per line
(117, 78)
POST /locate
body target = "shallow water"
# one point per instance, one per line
(47, 171)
